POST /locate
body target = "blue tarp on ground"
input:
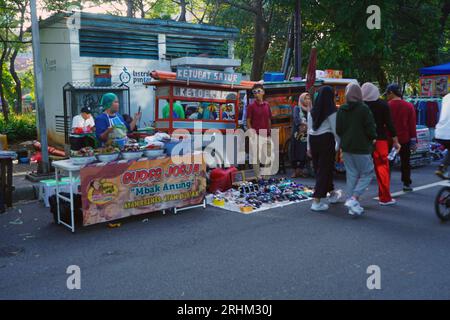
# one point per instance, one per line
(436, 70)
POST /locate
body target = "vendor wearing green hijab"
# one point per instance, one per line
(110, 124)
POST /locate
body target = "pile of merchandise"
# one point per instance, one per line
(438, 151)
(251, 197)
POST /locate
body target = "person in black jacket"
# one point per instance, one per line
(385, 129)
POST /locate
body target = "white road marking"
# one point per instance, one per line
(428, 186)
(19, 174)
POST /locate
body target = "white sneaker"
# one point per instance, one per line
(390, 203)
(334, 197)
(354, 207)
(318, 207)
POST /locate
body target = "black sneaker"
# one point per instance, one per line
(407, 188)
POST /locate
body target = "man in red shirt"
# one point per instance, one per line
(404, 118)
(259, 119)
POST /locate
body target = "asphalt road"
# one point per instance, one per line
(288, 253)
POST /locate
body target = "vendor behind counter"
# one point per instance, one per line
(82, 129)
(110, 125)
(84, 122)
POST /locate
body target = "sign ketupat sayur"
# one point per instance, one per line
(211, 76)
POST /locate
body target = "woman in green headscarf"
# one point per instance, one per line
(110, 124)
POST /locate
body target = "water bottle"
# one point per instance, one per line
(392, 154)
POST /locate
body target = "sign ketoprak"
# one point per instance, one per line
(203, 94)
(210, 76)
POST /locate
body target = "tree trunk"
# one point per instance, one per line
(183, 11)
(445, 14)
(12, 60)
(130, 8)
(5, 106)
(142, 9)
(298, 39)
(18, 83)
(260, 47)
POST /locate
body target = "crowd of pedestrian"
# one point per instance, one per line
(365, 129)
(365, 132)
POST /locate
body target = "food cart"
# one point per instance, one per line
(338, 86)
(200, 102)
(282, 98)
(212, 103)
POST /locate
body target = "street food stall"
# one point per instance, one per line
(201, 102)
(190, 97)
(146, 175)
(101, 192)
(79, 95)
(116, 181)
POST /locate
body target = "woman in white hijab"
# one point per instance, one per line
(442, 135)
(300, 135)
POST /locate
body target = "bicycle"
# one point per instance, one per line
(442, 204)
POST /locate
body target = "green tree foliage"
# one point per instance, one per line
(20, 127)
(411, 36)
(62, 5)
(8, 86)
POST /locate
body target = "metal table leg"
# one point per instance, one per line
(71, 226)
(71, 202)
(9, 183)
(2, 186)
(57, 197)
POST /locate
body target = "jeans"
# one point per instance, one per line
(359, 168)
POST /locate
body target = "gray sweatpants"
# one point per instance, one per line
(359, 168)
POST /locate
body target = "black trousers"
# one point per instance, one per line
(323, 157)
(405, 157)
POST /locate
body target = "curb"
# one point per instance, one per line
(25, 193)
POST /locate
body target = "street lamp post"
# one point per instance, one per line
(39, 86)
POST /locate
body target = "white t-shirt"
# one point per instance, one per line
(79, 122)
(443, 127)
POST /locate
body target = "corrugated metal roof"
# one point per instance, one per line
(155, 26)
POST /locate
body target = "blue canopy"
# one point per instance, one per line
(437, 70)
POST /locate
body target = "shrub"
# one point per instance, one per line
(20, 127)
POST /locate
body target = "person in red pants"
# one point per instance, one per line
(385, 128)
(404, 119)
